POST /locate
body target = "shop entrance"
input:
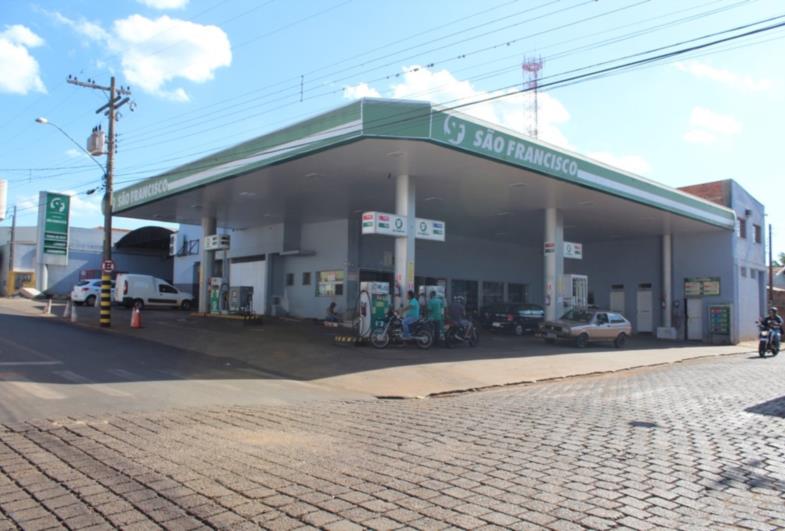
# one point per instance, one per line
(617, 298)
(694, 319)
(645, 304)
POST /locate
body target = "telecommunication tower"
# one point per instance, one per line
(531, 67)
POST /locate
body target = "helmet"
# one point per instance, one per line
(773, 309)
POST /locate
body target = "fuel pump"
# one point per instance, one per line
(374, 305)
(215, 294)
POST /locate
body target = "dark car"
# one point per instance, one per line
(517, 318)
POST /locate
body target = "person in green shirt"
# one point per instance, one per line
(436, 313)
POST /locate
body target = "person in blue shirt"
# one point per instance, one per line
(410, 312)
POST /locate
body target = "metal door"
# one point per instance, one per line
(617, 301)
(695, 319)
(644, 318)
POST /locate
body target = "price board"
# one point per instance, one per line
(720, 319)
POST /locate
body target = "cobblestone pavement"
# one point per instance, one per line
(696, 445)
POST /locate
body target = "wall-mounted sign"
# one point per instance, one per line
(53, 216)
(395, 225)
(429, 229)
(573, 250)
(216, 242)
(702, 287)
(384, 224)
(550, 247)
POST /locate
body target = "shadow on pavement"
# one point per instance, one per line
(771, 408)
(195, 347)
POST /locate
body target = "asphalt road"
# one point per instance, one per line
(50, 369)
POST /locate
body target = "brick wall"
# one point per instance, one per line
(716, 192)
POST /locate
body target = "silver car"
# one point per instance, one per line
(585, 326)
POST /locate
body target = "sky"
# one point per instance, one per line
(206, 74)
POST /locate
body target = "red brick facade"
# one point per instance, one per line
(716, 192)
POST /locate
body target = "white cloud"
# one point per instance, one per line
(441, 87)
(155, 52)
(702, 117)
(702, 70)
(707, 126)
(20, 71)
(632, 163)
(361, 90)
(699, 136)
(164, 4)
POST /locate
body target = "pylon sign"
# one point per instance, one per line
(53, 218)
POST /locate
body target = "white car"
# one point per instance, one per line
(139, 291)
(87, 292)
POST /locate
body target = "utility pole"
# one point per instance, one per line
(9, 289)
(771, 271)
(117, 98)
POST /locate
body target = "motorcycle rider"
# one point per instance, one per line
(410, 312)
(458, 313)
(774, 323)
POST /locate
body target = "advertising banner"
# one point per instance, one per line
(53, 218)
(394, 225)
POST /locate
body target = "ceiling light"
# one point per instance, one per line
(517, 185)
(433, 198)
(196, 206)
(311, 175)
(503, 213)
(395, 154)
(247, 194)
(585, 203)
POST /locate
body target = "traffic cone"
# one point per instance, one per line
(48, 307)
(67, 312)
(136, 318)
(73, 313)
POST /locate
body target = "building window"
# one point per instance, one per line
(742, 228)
(290, 279)
(329, 283)
(307, 279)
(758, 235)
(744, 272)
(516, 293)
(492, 292)
(466, 289)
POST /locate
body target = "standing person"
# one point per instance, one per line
(410, 312)
(436, 313)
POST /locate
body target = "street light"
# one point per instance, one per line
(44, 121)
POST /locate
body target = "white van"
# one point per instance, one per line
(141, 290)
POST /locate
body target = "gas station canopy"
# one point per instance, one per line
(479, 178)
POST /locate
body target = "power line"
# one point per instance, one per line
(246, 115)
(515, 89)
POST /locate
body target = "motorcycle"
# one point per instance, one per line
(457, 334)
(392, 333)
(766, 341)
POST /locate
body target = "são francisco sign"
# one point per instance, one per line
(53, 217)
